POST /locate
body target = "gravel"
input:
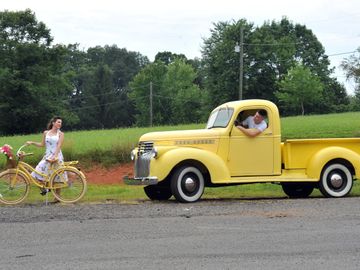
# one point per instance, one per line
(270, 208)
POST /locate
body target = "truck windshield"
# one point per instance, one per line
(220, 118)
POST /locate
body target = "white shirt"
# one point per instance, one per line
(251, 124)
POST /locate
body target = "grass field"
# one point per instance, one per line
(340, 125)
(109, 147)
(135, 194)
(113, 146)
(106, 147)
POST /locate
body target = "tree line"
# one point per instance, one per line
(109, 87)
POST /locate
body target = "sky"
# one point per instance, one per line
(152, 26)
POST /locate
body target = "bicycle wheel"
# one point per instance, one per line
(14, 186)
(68, 184)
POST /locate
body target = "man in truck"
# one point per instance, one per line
(252, 126)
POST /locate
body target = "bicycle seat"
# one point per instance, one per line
(68, 163)
(52, 160)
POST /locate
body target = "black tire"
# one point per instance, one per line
(160, 193)
(336, 181)
(297, 190)
(14, 186)
(187, 184)
(68, 184)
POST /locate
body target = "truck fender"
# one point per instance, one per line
(322, 157)
(215, 165)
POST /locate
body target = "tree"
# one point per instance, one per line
(299, 89)
(33, 87)
(270, 50)
(221, 62)
(150, 77)
(174, 93)
(184, 96)
(168, 57)
(351, 66)
(100, 77)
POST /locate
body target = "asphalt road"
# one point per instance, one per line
(211, 234)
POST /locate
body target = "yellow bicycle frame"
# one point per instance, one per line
(27, 169)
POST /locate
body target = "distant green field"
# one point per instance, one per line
(109, 147)
(106, 147)
(340, 125)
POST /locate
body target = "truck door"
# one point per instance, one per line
(251, 156)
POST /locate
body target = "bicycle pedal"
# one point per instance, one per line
(43, 191)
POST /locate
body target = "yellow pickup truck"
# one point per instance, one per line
(183, 163)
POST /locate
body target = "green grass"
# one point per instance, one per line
(106, 147)
(109, 147)
(340, 125)
(135, 194)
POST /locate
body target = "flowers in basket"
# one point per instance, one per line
(6, 149)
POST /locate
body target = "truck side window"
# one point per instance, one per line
(243, 115)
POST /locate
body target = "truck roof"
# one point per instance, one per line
(248, 102)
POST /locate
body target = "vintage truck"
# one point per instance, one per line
(183, 163)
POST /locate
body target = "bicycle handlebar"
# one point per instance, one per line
(21, 153)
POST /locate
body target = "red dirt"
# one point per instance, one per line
(113, 175)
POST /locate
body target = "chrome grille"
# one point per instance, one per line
(142, 165)
(145, 147)
(142, 162)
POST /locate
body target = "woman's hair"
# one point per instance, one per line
(52, 121)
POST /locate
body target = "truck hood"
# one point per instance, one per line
(180, 135)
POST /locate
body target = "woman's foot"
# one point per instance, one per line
(55, 201)
(43, 191)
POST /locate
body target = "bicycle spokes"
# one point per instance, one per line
(68, 185)
(13, 187)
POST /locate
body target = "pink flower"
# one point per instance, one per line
(6, 149)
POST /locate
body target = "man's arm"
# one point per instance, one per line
(252, 132)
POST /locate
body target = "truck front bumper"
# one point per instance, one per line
(145, 181)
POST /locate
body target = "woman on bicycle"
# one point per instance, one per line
(52, 139)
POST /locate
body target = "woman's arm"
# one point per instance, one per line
(38, 144)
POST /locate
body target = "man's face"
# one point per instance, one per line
(258, 118)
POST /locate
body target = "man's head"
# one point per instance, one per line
(259, 116)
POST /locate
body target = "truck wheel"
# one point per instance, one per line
(295, 190)
(159, 193)
(336, 181)
(187, 184)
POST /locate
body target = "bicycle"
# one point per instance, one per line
(66, 182)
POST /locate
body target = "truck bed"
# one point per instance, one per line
(296, 153)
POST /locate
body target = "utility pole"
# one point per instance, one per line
(151, 104)
(240, 49)
(241, 62)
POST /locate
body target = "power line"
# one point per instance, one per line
(336, 54)
(272, 44)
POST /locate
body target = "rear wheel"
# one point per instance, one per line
(336, 180)
(68, 184)
(14, 186)
(156, 192)
(187, 184)
(296, 190)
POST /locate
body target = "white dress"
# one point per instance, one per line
(50, 146)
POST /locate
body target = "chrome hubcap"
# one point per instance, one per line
(190, 184)
(336, 180)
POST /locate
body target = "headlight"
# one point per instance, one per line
(132, 155)
(154, 153)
